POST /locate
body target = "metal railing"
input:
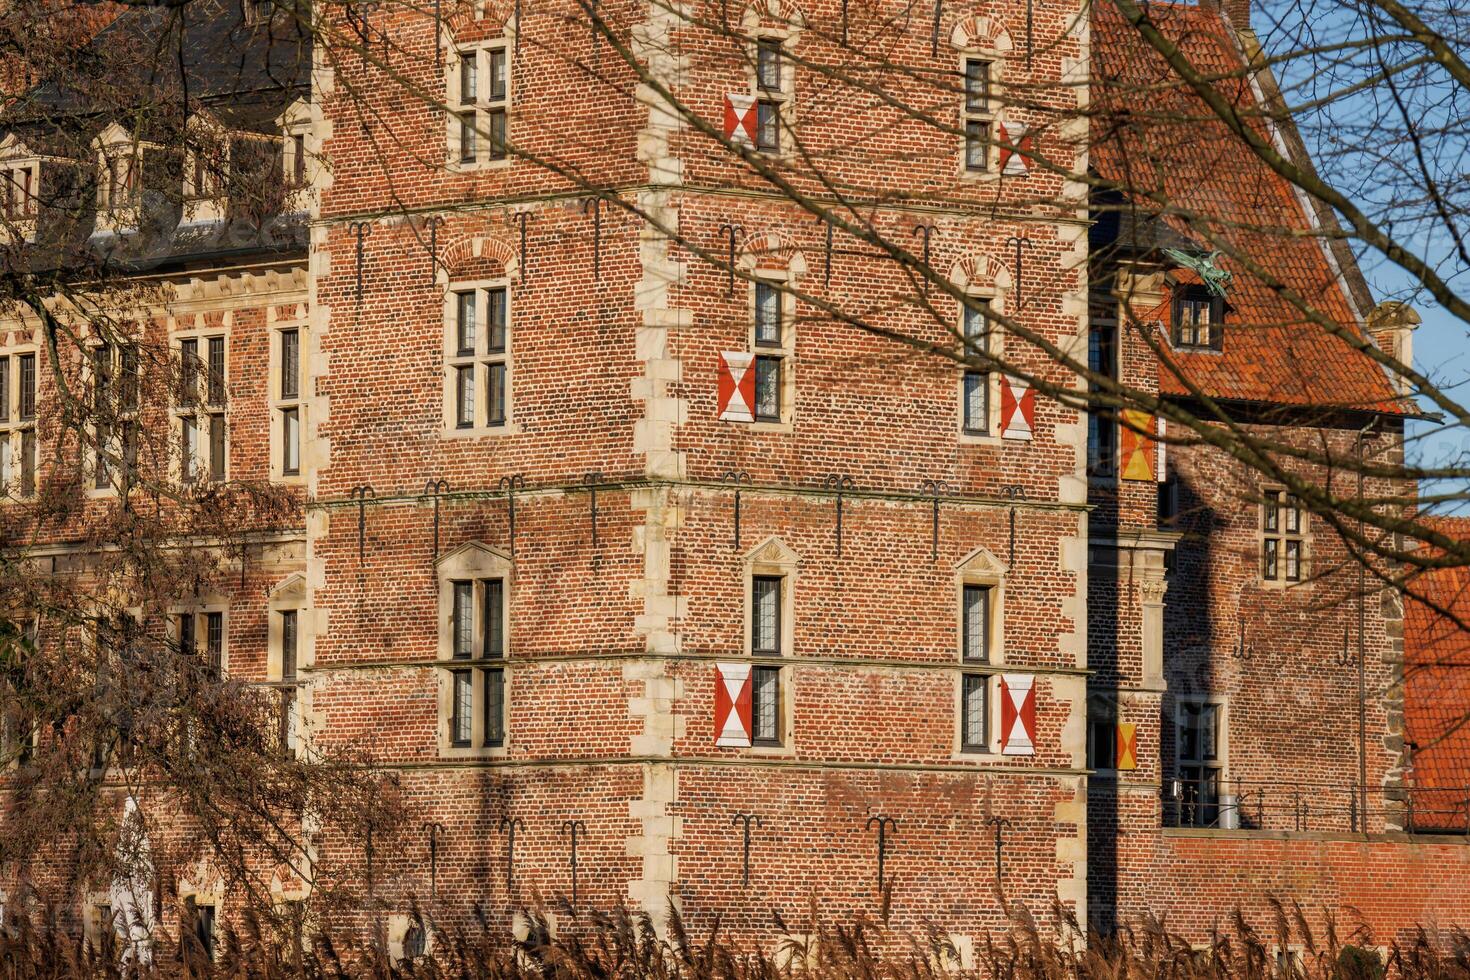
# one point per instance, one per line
(1281, 805)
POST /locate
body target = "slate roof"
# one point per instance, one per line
(1153, 134)
(1437, 692)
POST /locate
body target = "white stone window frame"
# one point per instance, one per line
(21, 200)
(200, 609)
(205, 203)
(483, 106)
(1281, 495)
(119, 160)
(289, 596)
(116, 448)
(201, 411)
(13, 428)
(784, 281)
(211, 895)
(281, 403)
(980, 568)
(772, 558)
(481, 359)
(1222, 745)
(978, 38)
(473, 562)
(990, 435)
(782, 98)
(987, 116)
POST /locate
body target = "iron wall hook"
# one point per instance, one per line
(574, 827)
(998, 823)
(434, 224)
(521, 218)
(362, 229)
(839, 483)
(1243, 651)
(594, 206)
(508, 827)
(1018, 241)
(934, 34)
(434, 488)
(885, 825)
(361, 493)
(747, 819)
(592, 479)
(1013, 491)
(509, 485)
(435, 829)
(935, 489)
(730, 232)
(736, 477)
(927, 231)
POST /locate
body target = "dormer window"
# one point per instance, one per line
(296, 155)
(1199, 316)
(18, 186)
(119, 178)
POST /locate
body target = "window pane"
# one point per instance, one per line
(469, 77)
(765, 627)
(977, 86)
(298, 160)
(1272, 551)
(463, 617)
(4, 389)
(464, 397)
(187, 643)
(127, 393)
(495, 299)
(497, 134)
(463, 704)
(1293, 561)
(977, 326)
(767, 315)
(1209, 731)
(768, 64)
(494, 706)
(217, 447)
(973, 723)
(214, 638)
(101, 375)
(188, 440)
(103, 448)
(288, 645)
(494, 618)
(28, 386)
(768, 389)
(766, 705)
(497, 74)
(468, 138)
(976, 395)
(28, 462)
(204, 928)
(216, 370)
(188, 371)
(291, 441)
(976, 613)
(465, 324)
(767, 126)
(1272, 512)
(1293, 515)
(7, 472)
(495, 393)
(290, 364)
(977, 144)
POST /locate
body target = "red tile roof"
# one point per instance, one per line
(1437, 691)
(1151, 132)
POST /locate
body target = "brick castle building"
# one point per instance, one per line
(617, 539)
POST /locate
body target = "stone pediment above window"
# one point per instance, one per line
(981, 565)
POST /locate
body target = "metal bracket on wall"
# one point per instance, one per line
(935, 489)
(730, 232)
(736, 477)
(508, 827)
(844, 23)
(885, 825)
(592, 479)
(928, 232)
(509, 485)
(934, 34)
(435, 829)
(1346, 658)
(434, 224)
(1243, 651)
(747, 819)
(1030, 31)
(361, 493)
(1013, 491)
(839, 483)
(361, 229)
(594, 205)
(525, 270)
(998, 823)
(1018, 241)
(574, 827)
(517, 52)
(435, 488)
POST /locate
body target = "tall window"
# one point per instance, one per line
(290, 640)
(975, 631)
(115, 393)
(18, 458)
(771, 350)
(977, 114)
(202, 634)
(118, 188)
(1283, 537)
(478, 353)
(478, 641)
(18, 188)
(766, 640)
(1201, 755)
(480, 92)
(1198, 318)
(771, 93)
(975, 390)
(200, 408)
(1102, 430)
(288, 399)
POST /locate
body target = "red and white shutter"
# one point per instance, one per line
(732, 705)
(1017, 714)
(736, 395)
(740, 118)
(1015, 159)
(1017, 408)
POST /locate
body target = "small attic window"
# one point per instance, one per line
(1199, 319)
(258, 12)
(18, 180)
